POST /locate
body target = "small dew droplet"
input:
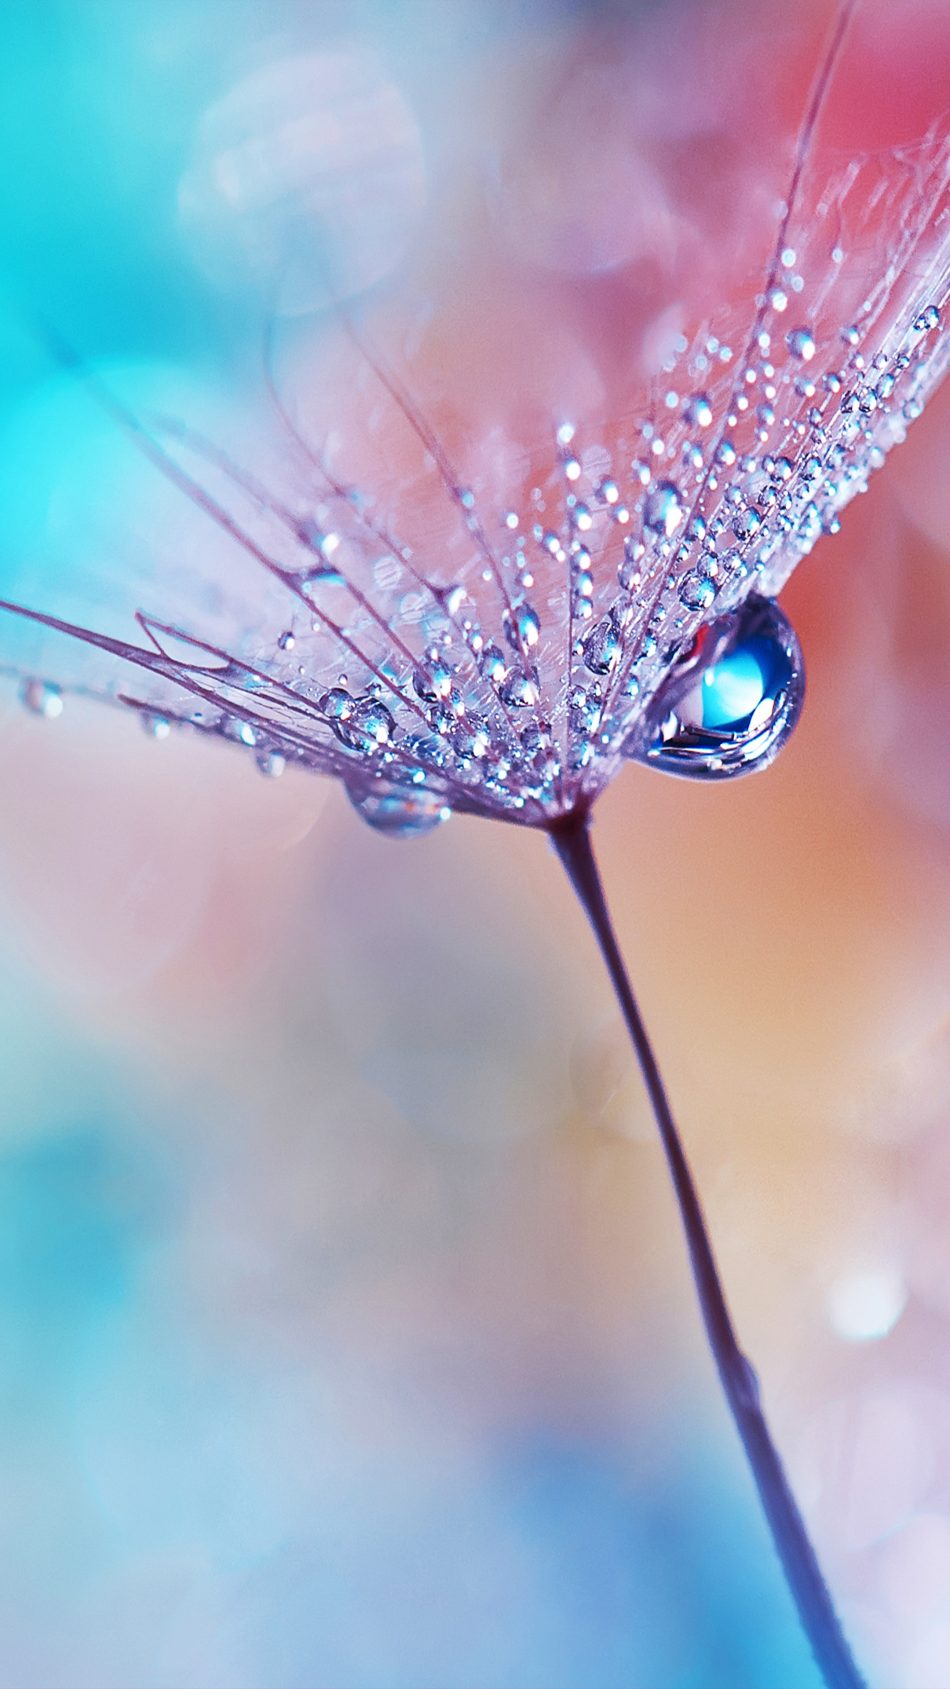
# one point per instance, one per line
(324, 574)
(518, 690)
(522, 627)
(746, 523)
(433, 682)
(697, 592)
(42, 698)
(242, 732)
(373, 721)
(156, 725)
(602, 647)
(801, 344)
(663, 509)
(698, 410)
(491, 663)
(336, 704)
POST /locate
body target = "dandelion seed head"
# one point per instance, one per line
(505, 656)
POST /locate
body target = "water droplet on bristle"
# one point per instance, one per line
(698, 410)
(371, 724)
(324, 574)
(801, 344)
(518, 689)
(43, 698)
(603, 647)
(522, 627)
(732, 700)
(492, 665)
(663, 509)
(697, 592)
(156, 725)
(398, 814)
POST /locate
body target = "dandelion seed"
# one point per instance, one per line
(654, 638)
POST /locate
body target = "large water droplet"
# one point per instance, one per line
(397, 813)
(732, 700)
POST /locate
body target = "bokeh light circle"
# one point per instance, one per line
(306, 180)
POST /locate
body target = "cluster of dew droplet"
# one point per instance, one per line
(517, 690)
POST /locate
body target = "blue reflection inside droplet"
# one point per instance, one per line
(733, 689)
(732, 699)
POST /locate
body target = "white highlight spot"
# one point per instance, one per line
(866, 1303)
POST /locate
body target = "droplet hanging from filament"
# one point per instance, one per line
(732, 700)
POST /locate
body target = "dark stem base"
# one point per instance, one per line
(571, 839)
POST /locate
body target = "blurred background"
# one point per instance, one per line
(346, 1334)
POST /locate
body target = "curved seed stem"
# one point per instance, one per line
(571, 839)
